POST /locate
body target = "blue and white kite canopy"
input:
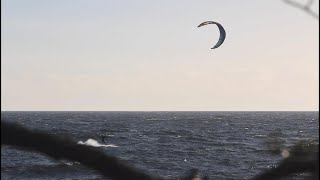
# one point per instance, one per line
(222, 32)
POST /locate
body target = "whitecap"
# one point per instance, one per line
(260, 135)
(94, 143)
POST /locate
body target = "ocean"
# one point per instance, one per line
(221, 145)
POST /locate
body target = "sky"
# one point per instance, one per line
(140, 55)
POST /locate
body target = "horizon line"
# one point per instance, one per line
(159, 110)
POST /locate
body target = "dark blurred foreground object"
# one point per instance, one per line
(303, 157)
(62, 148)
(300, 160)
(305, 7)
(58, 147)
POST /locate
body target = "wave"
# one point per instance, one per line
(94, 143)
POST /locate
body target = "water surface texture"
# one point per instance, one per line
(222, 145)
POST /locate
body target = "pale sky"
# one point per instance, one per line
(142, 55)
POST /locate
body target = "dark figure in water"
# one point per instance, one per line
(103, 138)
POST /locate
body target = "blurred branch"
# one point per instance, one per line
(303, 158)
(63, 148)
(58, 148)
(291, 166)
(306, 7)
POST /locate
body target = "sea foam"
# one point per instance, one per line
(94, 143)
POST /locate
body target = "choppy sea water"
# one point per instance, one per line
(221, 145)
